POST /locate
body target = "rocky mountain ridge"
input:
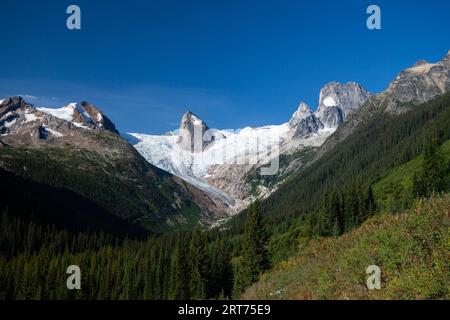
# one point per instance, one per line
(341, 108)
(222, 167)
(412, 86)
(77, 147)
(220, 161)
(337, 101)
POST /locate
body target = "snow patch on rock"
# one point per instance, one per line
(329, 102)
(64, 113)
(10, 122)
(30, 117)
(55, 133)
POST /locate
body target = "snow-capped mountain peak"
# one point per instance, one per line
(194, 134)
(201, 155)
(303, 122)
(64, 113)
(302, 112)
(189, 117)
(29, 124)
(217, 161)
(83, 115)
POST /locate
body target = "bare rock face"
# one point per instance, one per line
(230, 178)
(20, 119)
(420, 83)
(21, 123)
(337, 101)
(303, 122)
(11, 104)
(194, 135)
(83, 127)
(93, 117)
(417, 84)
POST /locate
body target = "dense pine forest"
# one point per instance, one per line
(34, 260)
(332, 197)
(367, 156)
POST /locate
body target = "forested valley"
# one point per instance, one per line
(334, 196)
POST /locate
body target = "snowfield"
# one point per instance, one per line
(244, 146)
(67, 113)
(30, 117)
(248, 146)
(64, 113)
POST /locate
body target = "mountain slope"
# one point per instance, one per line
(60, 207)
(413, 86)
(395, 190)
(338, 101)
(224, 162)
(380, 142)
(412, 250)
(89, 158)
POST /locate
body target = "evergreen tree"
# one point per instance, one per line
(369, 206)
(432, 175)
(221, 271)
(432, 169)
(331, 217)
(198, 265)
(180, 289)
(418, 189)
(325, 223)
(255, 256)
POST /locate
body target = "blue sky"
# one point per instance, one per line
(232, 62)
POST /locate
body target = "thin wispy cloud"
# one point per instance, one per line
(142, 108)
(39, 101)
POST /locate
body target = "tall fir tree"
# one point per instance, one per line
(369, 205)
(331, 217)
(432, 169)
(432, 176)
(255, 256)
(198, 265)
(180, 284)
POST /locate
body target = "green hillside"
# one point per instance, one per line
(412, 249)
(395, 191)
(314, 238)
(378, 161)
(120, 181)
(375, 147)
